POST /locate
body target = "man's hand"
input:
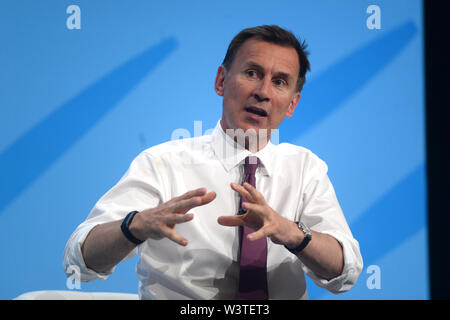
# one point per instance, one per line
(262, 218)
(105, 245)
(323, 255)
(159, 222)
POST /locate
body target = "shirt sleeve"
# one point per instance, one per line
(322, 213)
(140, 188)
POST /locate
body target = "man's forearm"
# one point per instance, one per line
(105, 246)
(323, 255)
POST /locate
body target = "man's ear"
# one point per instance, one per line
(293, 104)
(219, 86)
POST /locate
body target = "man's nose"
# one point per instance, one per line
(262, 90)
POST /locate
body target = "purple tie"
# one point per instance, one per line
(253, 254)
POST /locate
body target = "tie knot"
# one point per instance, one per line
(250, 165)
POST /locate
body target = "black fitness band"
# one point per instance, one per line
(125, 228)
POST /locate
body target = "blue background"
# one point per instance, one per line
(76, 106)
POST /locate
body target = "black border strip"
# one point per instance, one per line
(437, 75)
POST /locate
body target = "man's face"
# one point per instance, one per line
(259, 88)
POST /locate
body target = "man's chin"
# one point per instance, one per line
(253, 125)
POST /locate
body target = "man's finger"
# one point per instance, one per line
(241, 190)
(174, 236)
(230, 221)
(188, 195)
(256, 195)
(261, 233)
(178, 218)
(256, 208)
(193, 193)
(184, 206)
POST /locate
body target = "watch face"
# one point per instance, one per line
(304, 228)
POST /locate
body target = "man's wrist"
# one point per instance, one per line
(129, 230)
(301, 242)
(297, 237)
(137, 227)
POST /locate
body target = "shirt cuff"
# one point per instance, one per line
(73, 258)
(353, 265)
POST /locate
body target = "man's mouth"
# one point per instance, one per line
(255, 110)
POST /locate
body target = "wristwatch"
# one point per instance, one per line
(306, 240)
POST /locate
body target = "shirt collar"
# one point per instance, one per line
(232, 154)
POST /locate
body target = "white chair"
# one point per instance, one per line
(75, 295)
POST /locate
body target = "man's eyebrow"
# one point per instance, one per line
(253, 65)
(283, 75)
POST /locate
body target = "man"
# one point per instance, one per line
(251, 240)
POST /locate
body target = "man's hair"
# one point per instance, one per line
(272, 34)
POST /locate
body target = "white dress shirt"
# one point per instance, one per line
(293, 181)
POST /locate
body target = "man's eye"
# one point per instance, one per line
(251, 73)
(280, 82)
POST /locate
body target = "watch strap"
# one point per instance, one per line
(125, 228)
(305, 241)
